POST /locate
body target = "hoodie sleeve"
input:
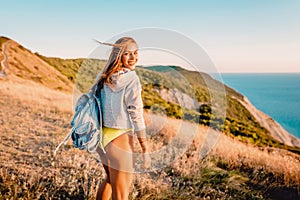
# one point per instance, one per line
(134, 104)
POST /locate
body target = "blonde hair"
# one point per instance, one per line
(114, 63)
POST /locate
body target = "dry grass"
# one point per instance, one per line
(32, 124)
(33, 119)
(39, 96)
(277, 161)
(23, 64)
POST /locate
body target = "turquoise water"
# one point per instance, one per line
(277, 95)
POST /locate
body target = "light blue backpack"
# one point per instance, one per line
(86, 131)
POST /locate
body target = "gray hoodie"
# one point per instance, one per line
(122, 104)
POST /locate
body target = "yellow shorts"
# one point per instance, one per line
(109, 134)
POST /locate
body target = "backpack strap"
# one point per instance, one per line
(67, 138)
(100, 108)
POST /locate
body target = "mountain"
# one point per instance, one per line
(22, 65)
(238, 108)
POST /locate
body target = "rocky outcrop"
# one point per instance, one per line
(178, 97)
(271, 125)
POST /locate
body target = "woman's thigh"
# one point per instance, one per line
(119, 152)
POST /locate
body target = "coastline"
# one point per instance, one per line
(275, 94)
(276, 130)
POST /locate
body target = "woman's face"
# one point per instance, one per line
(130, 56)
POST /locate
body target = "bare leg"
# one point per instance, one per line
(104, 191)
(121, 183)
(119, 154)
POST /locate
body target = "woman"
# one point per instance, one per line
(122, 110)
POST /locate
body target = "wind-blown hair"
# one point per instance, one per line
(114, 63)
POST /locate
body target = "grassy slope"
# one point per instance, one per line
(238, 123)
(82, 72)
(233, 170)
(22, 64)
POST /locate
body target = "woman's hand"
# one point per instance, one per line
(147, 161)
(141, 135)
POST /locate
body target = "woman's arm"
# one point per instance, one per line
(141, 135)
(134, 103)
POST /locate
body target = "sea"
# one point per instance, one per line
(276, 94)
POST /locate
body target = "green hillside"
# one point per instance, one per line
(80, 71)
(238, 122)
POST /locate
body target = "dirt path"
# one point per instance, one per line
(4, 61)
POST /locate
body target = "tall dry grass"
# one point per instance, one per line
(235, 153)
(32, 123)
(278, 161)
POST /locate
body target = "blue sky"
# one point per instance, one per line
(238, 35)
